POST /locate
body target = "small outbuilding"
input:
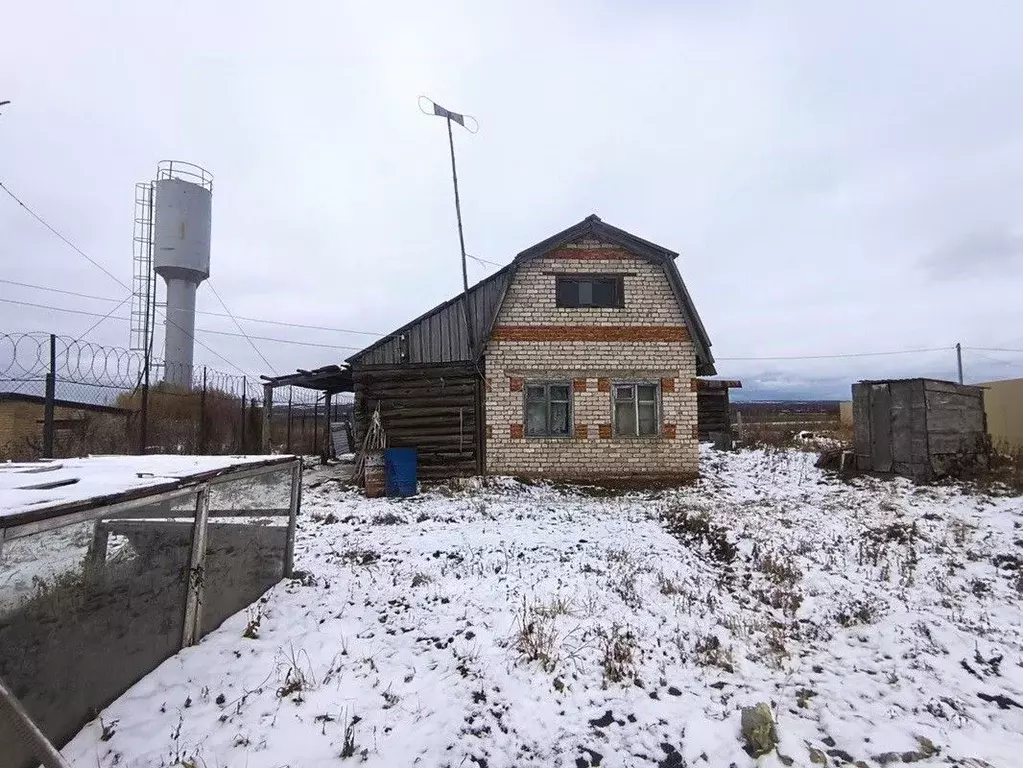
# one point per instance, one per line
(920, 428)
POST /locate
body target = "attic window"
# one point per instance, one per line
(590, 291)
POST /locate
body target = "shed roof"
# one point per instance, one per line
(439, 334)
(21, 397)
(330, 379)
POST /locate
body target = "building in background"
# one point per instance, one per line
(1003, 405)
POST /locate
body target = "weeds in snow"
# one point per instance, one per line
(536, 637)
(618, 647)
(297, 677)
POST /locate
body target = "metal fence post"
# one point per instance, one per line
(288, 449)
(144, 411)
(242, 441)
(296, 502)
(268, 404)
(51, 393)
(202, 414)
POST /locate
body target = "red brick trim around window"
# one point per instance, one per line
(578, 385)
(694, 385)
(603, 384)
(667, 385)
(596, 333)
(668, 431)
(582, 431)
(604, 431)
(515, 384)
(515, 431)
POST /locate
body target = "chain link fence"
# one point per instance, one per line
(62, 397)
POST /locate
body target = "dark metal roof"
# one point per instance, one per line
(330, 379)
(19, 397)
(439, 334)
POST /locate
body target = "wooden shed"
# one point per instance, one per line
(920, 428)
(714, 412)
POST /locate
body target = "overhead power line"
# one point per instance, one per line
(202, 330)
(67, 242)
(262, 320)
(112, 276)
(837, 356)
(242, 330)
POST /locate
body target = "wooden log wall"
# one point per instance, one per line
(433, 408)
(712, 412)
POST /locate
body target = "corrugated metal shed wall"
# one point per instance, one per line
(439, 336)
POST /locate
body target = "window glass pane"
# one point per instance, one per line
(585, 293)
(534, 393)
(559, 392)
(567, 292)
(625, 419)
(536, 418)
(559, 418)
(604, 293)
(624, 393)
(647, 392)
(647, 418)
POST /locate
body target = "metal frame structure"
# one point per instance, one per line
(198, 487)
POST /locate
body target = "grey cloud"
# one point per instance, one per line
(977, 254)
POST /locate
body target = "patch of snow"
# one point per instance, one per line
(36, 485)
(517, 625)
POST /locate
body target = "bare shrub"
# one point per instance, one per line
(617, 645)
(709, 652)
(420, 579)
(667, 586)
(536, 637)
(779, 569)
(695, 527)
(389, 518)
(559, 606)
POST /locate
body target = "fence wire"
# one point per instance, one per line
(98, 402)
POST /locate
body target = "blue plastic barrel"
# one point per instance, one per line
(401, 471)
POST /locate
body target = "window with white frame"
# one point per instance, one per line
(635, 410)
(548, 409)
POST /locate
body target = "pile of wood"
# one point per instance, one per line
(374, 441)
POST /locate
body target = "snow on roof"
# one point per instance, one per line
(42, 485)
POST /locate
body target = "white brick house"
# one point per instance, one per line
(580, 362)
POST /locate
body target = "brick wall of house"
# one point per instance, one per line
(591, 349)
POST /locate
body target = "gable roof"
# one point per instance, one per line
(439, 334)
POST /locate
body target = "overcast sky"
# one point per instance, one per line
(837, 179)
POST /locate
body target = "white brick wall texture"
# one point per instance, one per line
(649, 301)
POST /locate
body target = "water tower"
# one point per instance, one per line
(172, 240)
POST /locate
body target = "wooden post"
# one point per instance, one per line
(51, 393)
(959, 361)
(196, 574)
(268, 404)
(738, 423)
(316, 424)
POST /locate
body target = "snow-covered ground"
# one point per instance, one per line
(516, 625)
